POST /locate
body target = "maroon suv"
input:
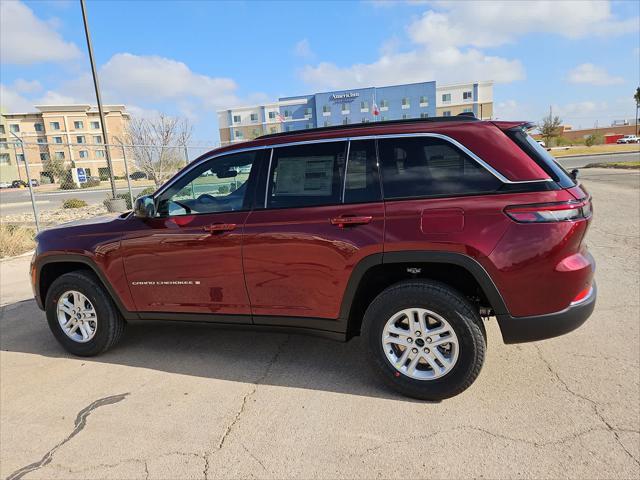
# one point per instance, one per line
(405, 232)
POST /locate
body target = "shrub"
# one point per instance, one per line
(223, 189)
(91, 182)
(74, 203)
(146, 191)
(563, 142)
(15, 239)
(127, 199)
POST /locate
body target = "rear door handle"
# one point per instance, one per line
(348, 221)
(219, 227)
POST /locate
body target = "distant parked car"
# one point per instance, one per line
(34, 183)
(629, 139)
(138, 176)
(18, 184)
(5, 185)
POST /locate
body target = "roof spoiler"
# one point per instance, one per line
(503, 125)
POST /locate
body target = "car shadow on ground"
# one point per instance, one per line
(211, 351)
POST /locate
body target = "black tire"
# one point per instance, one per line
(110, 324)
(449, 304)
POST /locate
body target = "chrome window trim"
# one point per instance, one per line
(346, 167)
(446, 138)
(266, 188)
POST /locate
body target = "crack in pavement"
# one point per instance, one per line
(79, 424)
(245, 398)
(593, 403)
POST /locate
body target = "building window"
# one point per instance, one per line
(41, 140)
(84, 154)
(364, 106)
(97, 139)
(446, 98)
(424, 115)
(54, 125)
(80, 139)
(20, 157)
(468, 110)
(57, 139)
(406, 116)
(236, 119)
(467, 95)
(238, 134)
(345, 109)
(254, 117)
(44, 157)
(14, 127)
(255, 133)
(78, 124)
(3, 144)
(424, 102)
(326, 109)
(405, 103)
(59, 155)
(446, 113)
(99, 153)
(383, 118)
(307, 113)
(273, 129)
(2, 131)
(272, 115)
(308, 126)
(384, 103)
(287, 114)
(327, 123)
(365, 120)
(95, 125)
(4, 159)
(38, 127)
(345, 121)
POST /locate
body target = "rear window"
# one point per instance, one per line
(426, 166)
(539, 155)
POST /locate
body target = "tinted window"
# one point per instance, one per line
(219, 185)
(306, 175)
(362, 183)
(425, 166)
(539, 155)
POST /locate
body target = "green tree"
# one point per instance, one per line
(550, 128)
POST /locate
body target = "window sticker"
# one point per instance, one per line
(305, 176)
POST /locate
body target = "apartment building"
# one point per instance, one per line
(68, 133)
(460, 98)
(342, 107)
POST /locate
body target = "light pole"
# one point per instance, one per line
(26, 167)
(98, 98)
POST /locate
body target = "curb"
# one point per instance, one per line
(8, 259)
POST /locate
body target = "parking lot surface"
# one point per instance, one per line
(195, 401)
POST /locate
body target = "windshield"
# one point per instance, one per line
(539, 154)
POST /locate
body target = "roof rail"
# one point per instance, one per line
(462, 117)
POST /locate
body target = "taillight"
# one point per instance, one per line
(550, 212)
(583, 295)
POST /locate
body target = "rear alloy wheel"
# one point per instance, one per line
(424, 339)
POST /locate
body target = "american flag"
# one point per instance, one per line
(280, 117)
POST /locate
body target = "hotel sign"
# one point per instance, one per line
(344, 97)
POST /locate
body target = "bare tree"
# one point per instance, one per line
(158, 145)
(549, 128)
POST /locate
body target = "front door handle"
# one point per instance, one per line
(348, 221)
(219, 227)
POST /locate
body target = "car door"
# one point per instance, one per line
(188, 259)
(313, 227)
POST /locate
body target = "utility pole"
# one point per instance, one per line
(105, 138)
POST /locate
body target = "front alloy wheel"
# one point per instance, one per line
(77, 316)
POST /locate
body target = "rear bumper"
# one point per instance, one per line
(539, 327)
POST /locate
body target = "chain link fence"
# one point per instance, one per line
(45, 184)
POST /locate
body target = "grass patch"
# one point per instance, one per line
(16, 239)
(623, 165)
(609, 148)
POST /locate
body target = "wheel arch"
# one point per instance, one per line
(49, 268)
(379, 271)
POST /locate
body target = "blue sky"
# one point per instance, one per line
(192, 58)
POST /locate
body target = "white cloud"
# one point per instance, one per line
(27, 86)
(591, 74)
(446, 65)
(489, 24)
(27, 39)
(303, 49)
(12, 101)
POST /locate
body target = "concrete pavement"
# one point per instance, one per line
(194, 401)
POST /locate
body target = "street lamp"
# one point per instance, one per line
(98, 98)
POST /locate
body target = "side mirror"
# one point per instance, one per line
(574, 174)
(144, 207)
